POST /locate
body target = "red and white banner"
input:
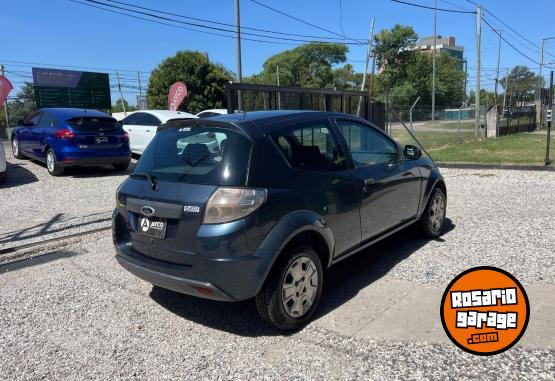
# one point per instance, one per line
(178, 92)
(5, 88)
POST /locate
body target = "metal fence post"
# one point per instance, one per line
(410, 116)
(459, 126)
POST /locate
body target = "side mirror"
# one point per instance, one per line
(412, 152)
(20, 123)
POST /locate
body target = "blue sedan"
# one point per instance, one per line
(67, 137)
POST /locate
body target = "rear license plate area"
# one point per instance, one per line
(101, 140)
(152, 227)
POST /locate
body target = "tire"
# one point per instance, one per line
(3, 176)
(305, 285)
(432, 221)
(121, 166)
(52, 165)
(15, 149)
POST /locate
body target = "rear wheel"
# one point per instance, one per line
(52, 165)
(3, 176)
(15, 149)
(292, 291)
(121, 166)
(432, 221)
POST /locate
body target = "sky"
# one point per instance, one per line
(65, 33)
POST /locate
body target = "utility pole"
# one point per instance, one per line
(139, 79)
(121, 95)
(541, 64)
(496, 84)
(506, 89)
(465, 75)
(478, 48)
(547, 158)
(368, 51)
(372, 70)
(278, 93)
(239, 69)
(434, 64)
(5, 104)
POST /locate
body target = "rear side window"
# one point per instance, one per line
(198, 155)
(150, 120)
(88, 123)
(311, 147)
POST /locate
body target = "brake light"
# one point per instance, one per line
(65, 133)
(125, 136)
(228, 204)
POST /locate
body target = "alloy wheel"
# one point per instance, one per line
(300, 286)
(15, 147)
(437, 213)
(50, 161)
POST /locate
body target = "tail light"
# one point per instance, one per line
(125, 136)
(228, 204)
(65, 133)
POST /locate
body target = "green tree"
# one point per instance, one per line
(521, 82)
(118, 107)
(205, 82)
(23, 105)
(309, 65)
(393, 55)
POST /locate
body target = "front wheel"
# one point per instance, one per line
(52, 165)
(292, 291)
(432, 221)
(16, 150)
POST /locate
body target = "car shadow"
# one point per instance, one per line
(343, 282)
(18, 175)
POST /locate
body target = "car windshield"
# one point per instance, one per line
(88, 123)
(197, 155)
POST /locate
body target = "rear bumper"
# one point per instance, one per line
(172, 282)
(93, 161)
(209, 273)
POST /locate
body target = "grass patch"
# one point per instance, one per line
(433, 139)
(521, 148)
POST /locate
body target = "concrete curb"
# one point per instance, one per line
(548, 168)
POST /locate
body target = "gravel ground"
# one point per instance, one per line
(73, 313)
(78, 315)
(38, 202)
(500, 218)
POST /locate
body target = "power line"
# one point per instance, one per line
(508, 43)
(432, 8)
(222, 23)
(358, 41)
(29, 64)
(178, 26)
(197, 25)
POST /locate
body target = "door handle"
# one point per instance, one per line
(369, 181)
(147, 130)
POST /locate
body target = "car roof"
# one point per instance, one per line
(165, 115)
(258, 124)
(221, 111)
(67, 113)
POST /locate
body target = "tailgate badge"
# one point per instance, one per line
(147, 210)
(191, 208)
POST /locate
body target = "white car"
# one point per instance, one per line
(3, 169)
(142, 125)
(212, 112)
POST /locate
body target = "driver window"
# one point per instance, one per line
(367, 146)
(33, 120)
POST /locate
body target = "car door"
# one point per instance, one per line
(41, 132)
(28, 135)
(149, 126)
(322, 181)
(389, 185)
(132, 125)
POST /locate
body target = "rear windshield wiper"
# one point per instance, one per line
(146, 176)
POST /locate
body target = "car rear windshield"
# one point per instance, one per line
(197, 155)
(89, 123)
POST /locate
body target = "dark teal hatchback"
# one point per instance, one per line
(258, 205)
